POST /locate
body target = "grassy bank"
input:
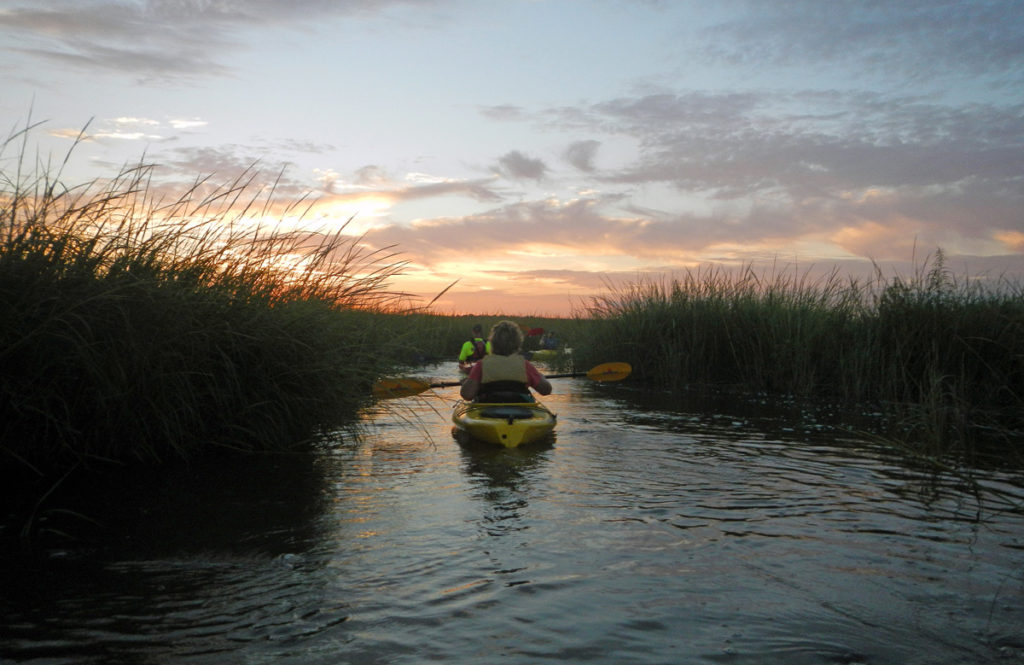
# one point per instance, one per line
(429, 338)
(137, 329)
(942, 357)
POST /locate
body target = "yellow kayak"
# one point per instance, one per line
(504, 424)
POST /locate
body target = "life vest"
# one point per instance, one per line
(503, 379)
(503, 368)
(479, 350)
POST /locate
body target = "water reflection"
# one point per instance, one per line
(501, 467)
(187, 564)
(647, 533)
(503, 478)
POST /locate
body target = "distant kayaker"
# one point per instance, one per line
(504, 375)
(474, 349)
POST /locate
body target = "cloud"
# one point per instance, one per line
(581, 154)
(882, 224)
(1013, 240)
(479, 190)
(326, 178)
(565, 232)
(187, 123)
(911, 39)
(119, 129)
(146, 39)
(159, 39)
(797, 140)
(371, 185)
(226, 162)
(199, 172)
(650, 116)
(371, 176)
(503, 112)
(893, 239)
(68, 133)
(777, 166)
(518, 166)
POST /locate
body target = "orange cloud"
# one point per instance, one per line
(1013, 240)
(893, 240)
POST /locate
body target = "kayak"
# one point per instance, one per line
(508, 424)
(544, 354)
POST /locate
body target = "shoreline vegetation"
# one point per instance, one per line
(940, 357)
(135, 329)
(140, 330)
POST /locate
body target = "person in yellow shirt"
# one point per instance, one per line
(474, 349)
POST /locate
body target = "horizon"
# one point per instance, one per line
(538, 154)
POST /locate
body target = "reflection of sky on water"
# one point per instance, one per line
(645, 534)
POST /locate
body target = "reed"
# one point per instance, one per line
(135, 329)
(942, 357)
(426, 337)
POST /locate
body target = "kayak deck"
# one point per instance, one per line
(508, 424)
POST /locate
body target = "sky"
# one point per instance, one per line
(537, 153)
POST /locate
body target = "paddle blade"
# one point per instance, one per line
(404, 387)
(609, 372)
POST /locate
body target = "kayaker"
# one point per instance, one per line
(474, 349)
(504, 375)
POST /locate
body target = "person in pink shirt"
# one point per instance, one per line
(504, 375)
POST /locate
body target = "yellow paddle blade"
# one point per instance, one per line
(403, 387)
(610, 372)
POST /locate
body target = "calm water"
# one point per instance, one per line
(644, 534)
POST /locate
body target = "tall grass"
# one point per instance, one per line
(943, 357)
(137, 329)
(427, 337)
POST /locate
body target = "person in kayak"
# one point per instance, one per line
(504, 375)
(474, 349)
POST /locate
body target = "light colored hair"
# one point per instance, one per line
(506, 338)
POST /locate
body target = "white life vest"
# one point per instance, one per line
(503, 368)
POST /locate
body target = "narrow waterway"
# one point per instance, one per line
(644, 533)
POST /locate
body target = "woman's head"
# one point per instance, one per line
(506, 338)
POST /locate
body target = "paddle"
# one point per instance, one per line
(407, 387)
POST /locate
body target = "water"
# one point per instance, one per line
(643, 534)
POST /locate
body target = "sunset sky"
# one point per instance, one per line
(540, 150)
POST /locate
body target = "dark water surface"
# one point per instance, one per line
(644, 534)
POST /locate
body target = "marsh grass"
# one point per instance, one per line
(942, 357)
(135, 329)
(428, 337)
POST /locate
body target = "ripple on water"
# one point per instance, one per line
(642, 535)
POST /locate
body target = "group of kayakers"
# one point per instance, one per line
(497, 371)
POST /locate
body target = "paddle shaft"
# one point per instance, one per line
(407, 387)
(449, 384)
(564, 376)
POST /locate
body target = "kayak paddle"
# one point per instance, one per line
(407, 387)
